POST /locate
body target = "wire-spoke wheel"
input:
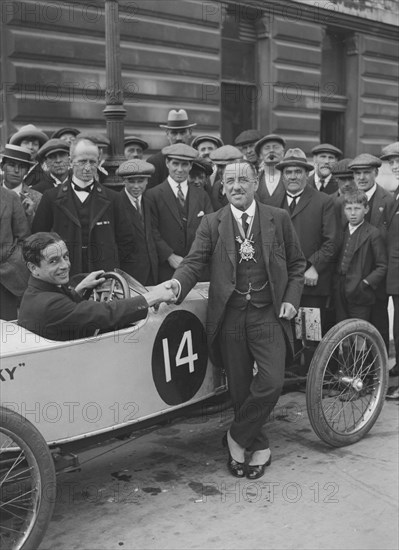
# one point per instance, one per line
(27, 483)
(347, 382)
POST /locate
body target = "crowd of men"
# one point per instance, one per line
(346, 223)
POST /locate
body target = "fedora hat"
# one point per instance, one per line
(294, 157)
(177, 120)
(28, 131)
(391, 150)
(15, 152)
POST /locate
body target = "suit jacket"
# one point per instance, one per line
(314, 220)
(143, 263)
(48, 311)
(381, 210)
(329, 189)
(47, 182)
(368, 261)
(214, 245)
(393, 255)
(217, 198)
(169, 233)
(264, 196)
(14, 228)
(161, 170)
(110, 240)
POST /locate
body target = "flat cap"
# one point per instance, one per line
(96, 137)
(225, 154)
(365, 161)
(206, 137)
(391, 150)
(269, 137)
(66, 130)
(28, 131)
(52, 146)
(134, 139)
(247, 136)
(203, 164)
(17, 153)
(135, 167)
(326, 148)
(180, 151)
(341, 169)
(294, 157)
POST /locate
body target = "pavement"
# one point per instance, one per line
(168, 488)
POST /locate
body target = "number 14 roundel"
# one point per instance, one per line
(179, 357)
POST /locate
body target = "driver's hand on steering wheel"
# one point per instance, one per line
(91, 281)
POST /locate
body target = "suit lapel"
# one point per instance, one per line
(66, 204)
(364, 232)
(99, 204)
(267, 230)
(303, 201)
(170, 199)
(226, 233)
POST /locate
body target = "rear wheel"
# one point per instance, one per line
(27, 483)
(347, 382)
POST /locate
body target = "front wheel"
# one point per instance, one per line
(27, 483)
(347, 382)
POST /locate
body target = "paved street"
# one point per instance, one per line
(169, 489)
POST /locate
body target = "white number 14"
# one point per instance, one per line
(179, 360)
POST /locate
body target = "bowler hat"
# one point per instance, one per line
(341, 170)
(294, 157)
(206, 137)
(180, 151)
(225, 154)
(28, 131)
(391, 150)
(270, 137)
(247, 136)
(134, 139)
(135, 168)
(203, 164)
(52, 146)
(177, 119)
(67, 130)
(15, 152)
(326, 148)
(365, 161)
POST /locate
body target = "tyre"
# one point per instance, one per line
(27, 483)
(347, 382)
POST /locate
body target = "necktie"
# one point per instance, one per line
(83, 189)
(180, 195)
(293, 203)
(244, 222)
(322, 183)
(138, 207)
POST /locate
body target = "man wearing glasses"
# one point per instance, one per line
(86, 215)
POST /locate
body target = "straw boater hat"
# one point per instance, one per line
(28, 131)
(206, 137)
(391, 150)
(15, 152)
(177, 120)
(294, 157)
(134, 139)
(135, 168)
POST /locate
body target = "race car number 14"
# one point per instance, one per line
(179, 357)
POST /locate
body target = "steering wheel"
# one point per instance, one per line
(114, 287)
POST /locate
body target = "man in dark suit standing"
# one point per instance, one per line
(313, 216)
(325, 156)
(86, 215)
(380, 202)
(178, 130)
(143, 263)
(270, 150)
(256, 281)
(177, 209)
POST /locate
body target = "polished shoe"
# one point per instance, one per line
(393, 392)
(394, 370)
(237, 469)
(255, 471)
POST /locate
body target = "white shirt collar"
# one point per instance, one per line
(238, 213)
(17, 189)
(317, 180)
(81, 183)
(174, 184)
(58, 181)
(352, 228)
(371, 191)
(132, 199)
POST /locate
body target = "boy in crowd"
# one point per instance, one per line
(362, 263)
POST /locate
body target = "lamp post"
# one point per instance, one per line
(114, 111)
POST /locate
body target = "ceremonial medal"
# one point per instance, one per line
(246, 250)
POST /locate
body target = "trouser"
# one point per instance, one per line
(252, 335)
(395, 299)
(346, 309)
(379, 317)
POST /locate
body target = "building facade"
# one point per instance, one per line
(310, 70)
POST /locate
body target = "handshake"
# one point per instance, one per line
(167, 291)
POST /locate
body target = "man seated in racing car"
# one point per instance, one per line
(55, 311)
